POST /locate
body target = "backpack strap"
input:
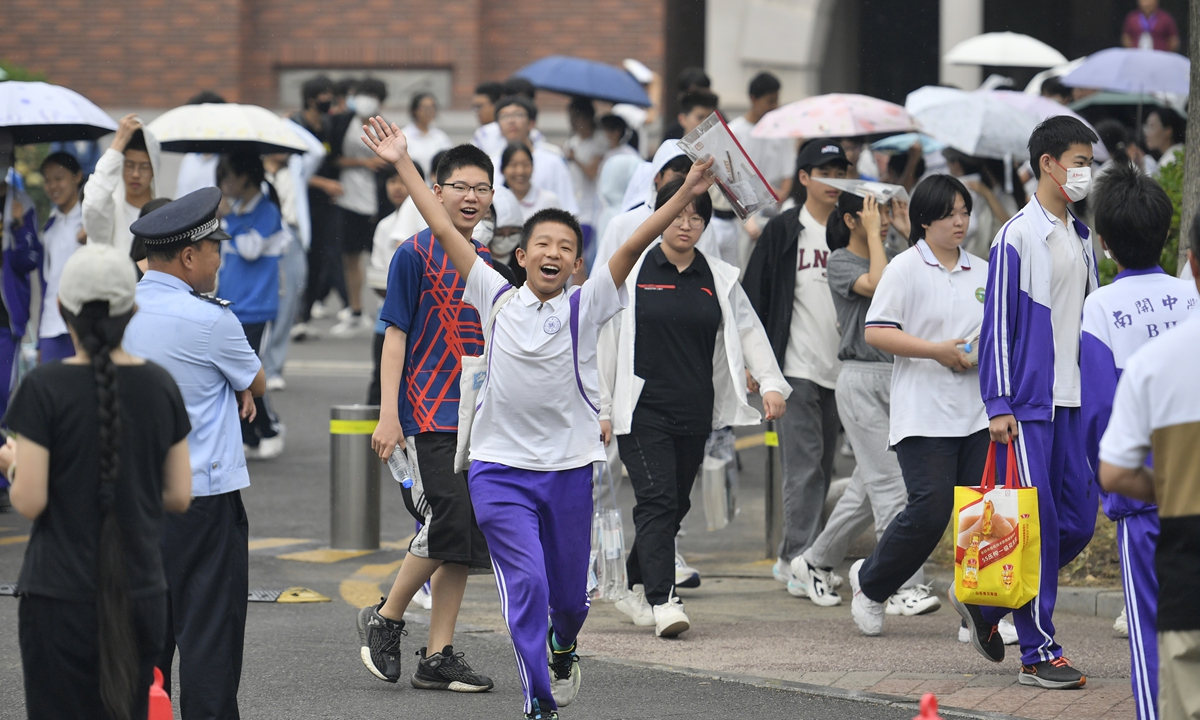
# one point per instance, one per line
(489, 332)
(574, 322)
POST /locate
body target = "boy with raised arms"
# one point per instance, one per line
(537, 431)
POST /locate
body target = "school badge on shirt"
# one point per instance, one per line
(552, 325)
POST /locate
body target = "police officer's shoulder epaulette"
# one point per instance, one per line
(214, 300)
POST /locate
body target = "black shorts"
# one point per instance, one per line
(441, 501)
(60, 652)
(357, 232)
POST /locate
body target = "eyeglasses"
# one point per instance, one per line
(506, 116)
(688, 221)
(463, 188)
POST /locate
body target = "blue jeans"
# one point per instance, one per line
(293, 267)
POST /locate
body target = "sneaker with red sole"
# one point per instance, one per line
(1056, 674)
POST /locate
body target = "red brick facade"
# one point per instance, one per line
(158, 53)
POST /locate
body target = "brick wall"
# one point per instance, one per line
(157, 53)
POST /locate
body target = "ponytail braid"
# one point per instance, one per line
(99, 335)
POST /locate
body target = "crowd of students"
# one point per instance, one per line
(646, 315)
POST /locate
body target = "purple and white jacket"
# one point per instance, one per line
(1016, 347)
(22, 250)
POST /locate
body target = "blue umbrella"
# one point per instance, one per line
(586, 78)
(1128, 70)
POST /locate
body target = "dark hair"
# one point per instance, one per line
(1054, 86)
(492, 89)
(1114, 135)
(138, 251)
(678, 164)
(1171, 119)
(763, 83)
(462, 156)
(65, 160)
(583, 106)
(342, 88)
(250, 165)
(205, 96)
(1055, 136)
(520, 86)
(898, 162)
(415, 102)
(616, 123)
(99, 335)
(837, 232)
(373, 87)
(137, 141)
(697, 98)
(702, 202)
(933, 200)
(1133, 215)
(314, 87)
(520, 101)
(511, 150)
(692, 77)
(552, 215)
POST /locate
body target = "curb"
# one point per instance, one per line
(822, 691)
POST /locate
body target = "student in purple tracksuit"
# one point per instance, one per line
(1133, 217)
(537, 430)
(1040, 269)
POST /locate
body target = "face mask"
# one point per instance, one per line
(1079, 181)
(324, 105)
(365, 105)
(504, 245)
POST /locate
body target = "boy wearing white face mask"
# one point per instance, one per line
(358, 203)
(1040, 269)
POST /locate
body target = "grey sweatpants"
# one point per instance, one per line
(807, 443)
(876, 491)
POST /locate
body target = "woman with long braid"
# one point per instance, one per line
(101, 453)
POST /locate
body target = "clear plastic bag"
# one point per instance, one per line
(606, 572)
(719, 478)
(736, 175)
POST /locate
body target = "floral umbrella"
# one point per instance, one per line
(835, 115)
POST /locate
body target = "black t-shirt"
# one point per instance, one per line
(678, 317)
(56, 407)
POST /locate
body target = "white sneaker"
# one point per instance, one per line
(275, 384)
(781, 571)
(350, 326)
(423, 598)
(867, 614)
(916, 600)
(685, 576)
(320, 311)
(268, 448)
(635, 606)
(964, 633)
(669, 618)
(1008, 632)
(818, 583)
(303, 331)
(345, 313)
(1121, 626)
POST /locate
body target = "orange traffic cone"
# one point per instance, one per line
(928, 708)
(160, 701)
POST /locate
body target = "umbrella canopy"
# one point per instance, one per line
(901, 143)
(586, 78)
(1106, 99)
(972, 123)
(835, 115)
(224, 128)
(37, 112)
(1035, 84)
(1042, 108)
(1128, 70)
(1004, 49)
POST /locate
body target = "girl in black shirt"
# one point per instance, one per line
(101, 452)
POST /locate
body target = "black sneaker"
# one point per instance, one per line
(1056, 674)
(564, 672)
(537, 713)
(448, 670)
(380, 639)
(984, 636)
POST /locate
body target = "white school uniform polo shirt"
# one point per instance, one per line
(922, 298)
(539, 409)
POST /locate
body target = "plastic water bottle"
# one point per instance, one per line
(398, 464)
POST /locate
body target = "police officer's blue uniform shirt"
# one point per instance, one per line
(203, 346)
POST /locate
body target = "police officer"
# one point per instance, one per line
(200, 342)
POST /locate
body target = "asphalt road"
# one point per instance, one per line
(301, 660)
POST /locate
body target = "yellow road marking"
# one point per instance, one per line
(267, 543)
(14, 540)
(324, 555)
(362, 588)
(749, 441)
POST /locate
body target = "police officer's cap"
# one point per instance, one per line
(191, 218)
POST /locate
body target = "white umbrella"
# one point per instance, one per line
(1044, 108)
(37, 112)
(224, 128)
(1035, 85)
(1130, 70)
(1004, 49)
(972, 123)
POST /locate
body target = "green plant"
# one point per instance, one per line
(12, 71)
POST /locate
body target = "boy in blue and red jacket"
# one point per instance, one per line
(1040, 269)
